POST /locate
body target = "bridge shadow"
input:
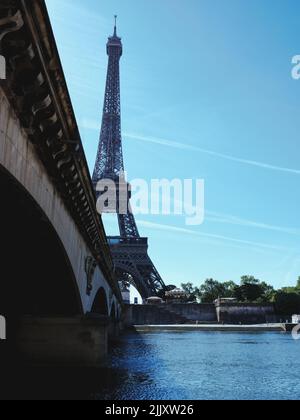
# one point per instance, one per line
(36, 276)
(75, 384)
(65, 383)
(53, 384)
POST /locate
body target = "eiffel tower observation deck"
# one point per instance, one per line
(130, 251)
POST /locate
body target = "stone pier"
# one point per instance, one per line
(78, 341)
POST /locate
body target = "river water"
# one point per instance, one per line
(184, 366)
(208, 366)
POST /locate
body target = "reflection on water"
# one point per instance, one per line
(172, 366)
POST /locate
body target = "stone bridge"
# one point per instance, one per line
(58, 290)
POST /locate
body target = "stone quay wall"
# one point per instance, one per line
(220, 313)
(238, 313)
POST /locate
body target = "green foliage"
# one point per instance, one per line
(292, 290)
(287, 303)
(249, 290)
(253, 290)
(269, 292)
(288, 290)
(249, 280)
(229, 289)
(212, 290)
(188, 288)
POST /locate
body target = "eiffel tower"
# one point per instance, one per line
(129, 250)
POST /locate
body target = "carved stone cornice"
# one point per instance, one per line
(37, 90)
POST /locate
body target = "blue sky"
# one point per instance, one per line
(214, 75)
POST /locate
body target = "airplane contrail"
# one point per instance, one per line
(187, 147)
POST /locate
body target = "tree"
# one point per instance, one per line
(287, 304)
(269, 292)
(249, 280)
(229, 288)
(197, 294)
(249, 292)
(211, 290)
(292, 290)
(188, 288)
(288, 290)
(253, 290)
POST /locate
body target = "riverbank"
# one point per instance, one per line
(212, 328)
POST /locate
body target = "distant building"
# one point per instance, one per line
(296, 319)
(154, 300)
(176, 296)
(125, 291)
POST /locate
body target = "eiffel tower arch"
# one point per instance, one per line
(133, 265)
(129, 250)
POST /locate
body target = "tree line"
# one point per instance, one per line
(250, 289)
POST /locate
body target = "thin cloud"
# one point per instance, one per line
(233, 220)
(82, 16)
(187, 147)
(90, 124)
(174, 229)
(210, 216)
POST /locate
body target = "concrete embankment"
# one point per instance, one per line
(215, 314)
(212, 328)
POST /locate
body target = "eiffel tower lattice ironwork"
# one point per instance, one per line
(129, 250)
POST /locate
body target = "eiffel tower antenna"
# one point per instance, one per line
(116, 18)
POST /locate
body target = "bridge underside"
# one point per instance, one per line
(37, 282)
(38, 279)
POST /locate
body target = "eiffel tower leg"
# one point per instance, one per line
(128, 273)
(151, 278)
(131, 259)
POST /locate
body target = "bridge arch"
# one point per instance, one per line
(100, 305)
(37, 277)
(113, 312)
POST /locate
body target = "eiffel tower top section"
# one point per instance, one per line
(114, 44)
(109, 161)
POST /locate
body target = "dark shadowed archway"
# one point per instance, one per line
(36, 275)
(113, 313)
(100, 306)
(36, 278)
